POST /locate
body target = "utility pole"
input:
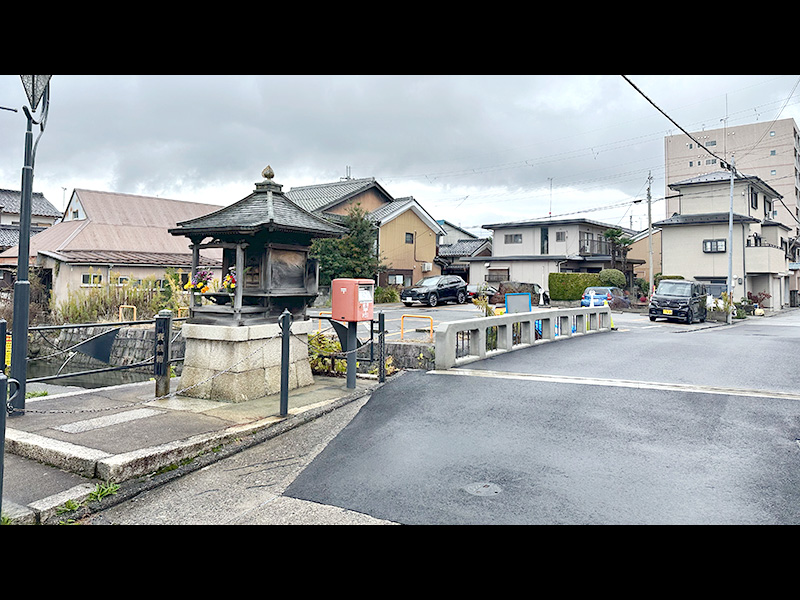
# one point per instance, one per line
(730, 244)
(650, 232)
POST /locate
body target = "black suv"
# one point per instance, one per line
(435, 289)
(679, 299)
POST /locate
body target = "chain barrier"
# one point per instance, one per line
(337, 355)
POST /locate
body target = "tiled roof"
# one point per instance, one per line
(266, 207)
(10, 201)
(160, 259)
(463, 247)
(9, 234)
(390, 208)
(323, 195)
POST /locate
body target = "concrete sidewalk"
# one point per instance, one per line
(68, 445)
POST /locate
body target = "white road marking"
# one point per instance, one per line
(100, 422)
(645, 385)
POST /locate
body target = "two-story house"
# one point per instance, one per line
(695, 244)
(457, 244)
(406, 234)
(528, 251)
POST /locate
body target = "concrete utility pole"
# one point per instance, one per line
(650, 233)
(730, 245)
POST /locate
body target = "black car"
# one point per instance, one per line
(435, 289)
(679, 299)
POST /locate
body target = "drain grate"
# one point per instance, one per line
(483, 489)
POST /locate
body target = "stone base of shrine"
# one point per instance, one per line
(237, 364)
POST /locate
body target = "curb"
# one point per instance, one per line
(141, 470)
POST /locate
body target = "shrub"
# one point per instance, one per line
(612, 278)
(570, 286)
(387, 294)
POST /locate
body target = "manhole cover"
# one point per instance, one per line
(483, 489)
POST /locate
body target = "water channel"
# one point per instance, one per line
(46, 368)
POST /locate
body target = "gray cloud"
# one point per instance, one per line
(485, 147)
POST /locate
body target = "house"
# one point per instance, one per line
(528, 251)
(768, 150)
(640, 252)
(406, 234)
(105, 235)
(43, 214)
(695, 240)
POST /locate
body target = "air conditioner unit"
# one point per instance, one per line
(426, 267)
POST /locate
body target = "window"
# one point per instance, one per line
(753, 198)
(409, 238)
(513, 238)
(561, 236)
(711, 143)
(91, 279)
(714, 245)
(545, 235)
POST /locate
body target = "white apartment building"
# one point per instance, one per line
(767, 150)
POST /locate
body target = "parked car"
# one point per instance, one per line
(679, 299)
(613, 295)
(474, 290)
(436, 289)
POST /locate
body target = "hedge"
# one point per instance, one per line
(570, 286)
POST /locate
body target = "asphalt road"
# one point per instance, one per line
(654, 423)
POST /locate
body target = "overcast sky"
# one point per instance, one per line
(471, 149)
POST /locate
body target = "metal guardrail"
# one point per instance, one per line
(461, 342)
(402, 329)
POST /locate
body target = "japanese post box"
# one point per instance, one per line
(352, 299)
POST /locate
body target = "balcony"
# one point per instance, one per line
(765, 259)
(595, 247)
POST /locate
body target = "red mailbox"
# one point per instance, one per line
(352, 299)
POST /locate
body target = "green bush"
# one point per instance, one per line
(386, 295)
(570, 286)
(612, 278)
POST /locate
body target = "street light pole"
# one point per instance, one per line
(37, 88)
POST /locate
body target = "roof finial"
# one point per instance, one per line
(268, 173)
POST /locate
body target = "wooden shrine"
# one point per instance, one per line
(233, 351)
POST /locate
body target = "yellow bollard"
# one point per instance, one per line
(605, 303)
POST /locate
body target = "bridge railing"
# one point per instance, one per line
(461, 342)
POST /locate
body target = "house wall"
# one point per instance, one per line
(370, 200)
(68, 277)
(683, 251)
(402, 256)
(524, 271)
(640, 250)
(36, 221)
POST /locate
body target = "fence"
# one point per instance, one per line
(461, 342)
(97, 346)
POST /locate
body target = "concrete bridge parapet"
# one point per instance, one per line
(465, 341)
